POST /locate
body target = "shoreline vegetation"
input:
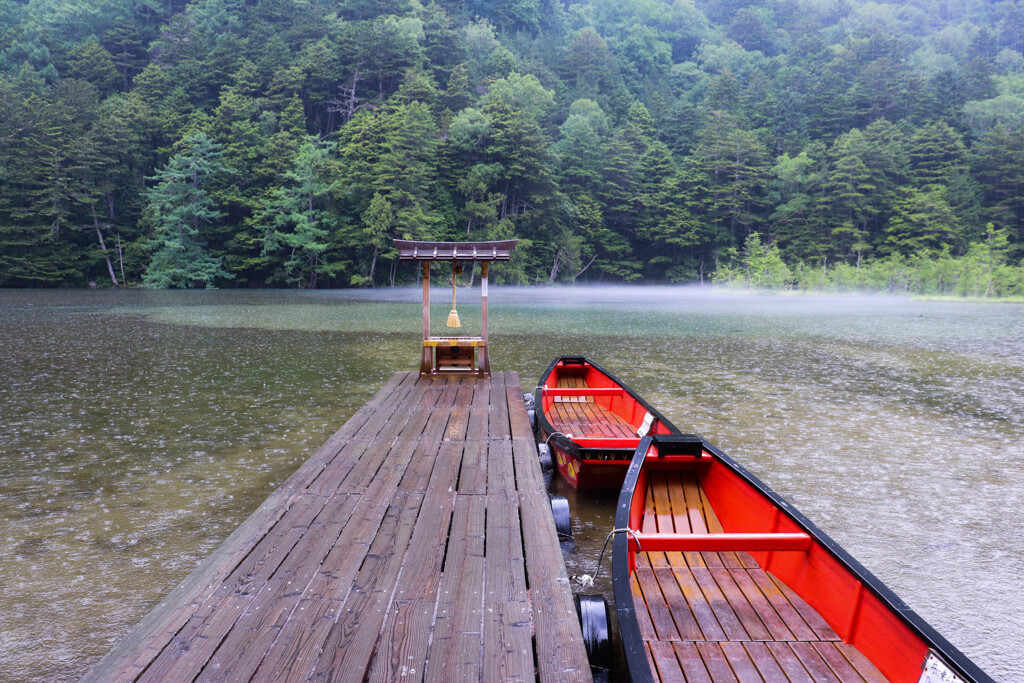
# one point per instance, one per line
(866, 145)
(981, 274)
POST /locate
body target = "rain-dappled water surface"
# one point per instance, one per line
(137, 429)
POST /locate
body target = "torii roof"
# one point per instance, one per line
(412, 250)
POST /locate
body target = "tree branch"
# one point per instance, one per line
(20, 130)
(585, 267)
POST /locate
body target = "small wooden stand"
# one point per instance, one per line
(454, 357)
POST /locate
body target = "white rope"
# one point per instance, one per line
(607, 538)
(552, 434)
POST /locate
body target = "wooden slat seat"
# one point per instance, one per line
(719, 616)
(580, 416)
(572, 381)
(589, 420)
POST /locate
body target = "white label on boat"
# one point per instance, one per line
(645, 426)
(936, 671)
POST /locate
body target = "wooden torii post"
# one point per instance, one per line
(454, 357)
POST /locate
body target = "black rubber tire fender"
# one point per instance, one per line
(544, 455)
(563, 518)
(592, 611)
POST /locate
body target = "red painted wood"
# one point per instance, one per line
(719, 542)
(610, 442)
(582, 391)
(818, 578)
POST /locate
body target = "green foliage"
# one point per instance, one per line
(795, 182)
(294, 222)
(830, 145)
(91, 62)
(179, 207)
(733, 164)
(1005, 109)
(922, 222)
(756, 266)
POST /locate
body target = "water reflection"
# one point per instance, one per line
(137, 429)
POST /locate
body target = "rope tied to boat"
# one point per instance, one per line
(552, 434)
(589, 580)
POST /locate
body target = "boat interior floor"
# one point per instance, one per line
(582, 417)
(718, 616)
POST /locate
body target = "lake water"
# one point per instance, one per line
(138, 428)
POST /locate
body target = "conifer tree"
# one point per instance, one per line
(734, 162)
(936, 153)
(378, 223)
(795, 182)
(581, 147)
(992, 252)
(91, 62)
(846, 197)
(295, 222)
(613, 138)
(998, 164)
(180, 208)
(126, 49)
(922, 222)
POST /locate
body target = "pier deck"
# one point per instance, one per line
(416, 544)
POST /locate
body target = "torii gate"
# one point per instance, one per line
(454, 357)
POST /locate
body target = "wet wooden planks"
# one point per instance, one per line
(590, 420)
(416, 544)
(719, 616)
(581, 416)
(574, 380)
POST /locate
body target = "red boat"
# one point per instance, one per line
(719, 579)
(592, 422)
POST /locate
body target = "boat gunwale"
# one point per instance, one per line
(629, 629)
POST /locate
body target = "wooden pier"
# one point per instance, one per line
(416, 544)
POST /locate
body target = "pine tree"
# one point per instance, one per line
(125, 46)
(443, 44)
(518, 141)
(845, 199)
(378, 223)
(581, 147)
(406, 167)
(796, 216)
(620, 190)
(41, 240)
(675, 234)
(294, 222)
(92, 62)
(992, 252)
(588, 68)
(936, 153)
(734, 161)
(997, 162)
(179, 208)
(922, 222)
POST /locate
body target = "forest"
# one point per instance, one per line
(832, 145)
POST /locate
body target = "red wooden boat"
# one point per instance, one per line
(592, 422)
(721, 579)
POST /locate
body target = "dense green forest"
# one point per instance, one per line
(826, 144)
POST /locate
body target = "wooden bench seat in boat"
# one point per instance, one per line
(719, 616)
